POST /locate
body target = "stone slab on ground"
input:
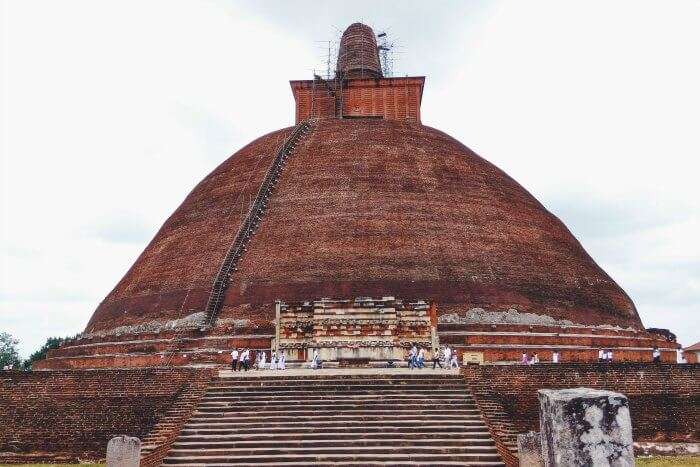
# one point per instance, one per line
(123, 451)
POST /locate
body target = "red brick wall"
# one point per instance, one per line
(388, 98)
(73, 414)
(664, 398)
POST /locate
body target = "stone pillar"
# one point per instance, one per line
(584, 426)
(278, 325)
(123, 451)
(432, 311)
(530, 450)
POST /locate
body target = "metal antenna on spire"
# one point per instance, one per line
(386, 54)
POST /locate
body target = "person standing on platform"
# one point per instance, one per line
(421, 358)
(263, 360)
(282, 362)
(273, 361)
(609, 356)
(412, 355)
(246, 359)
(438, 355)
(448, 355)
(601, 355)
(656, 355)
(453, 361)
(316, 362)
(256, 365)
(234, 359)
(555, 356)
(524, 359)
(240, 359)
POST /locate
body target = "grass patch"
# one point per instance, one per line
(670, 461)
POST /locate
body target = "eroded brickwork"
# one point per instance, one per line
(66, 415)
(174, 274)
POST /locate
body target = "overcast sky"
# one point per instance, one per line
(113, 110)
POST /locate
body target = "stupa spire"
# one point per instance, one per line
(358, 56)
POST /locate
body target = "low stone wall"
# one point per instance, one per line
(664, 398)
(507, 342)
(71, 415)
(149, 351)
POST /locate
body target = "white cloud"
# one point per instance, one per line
(113, 111)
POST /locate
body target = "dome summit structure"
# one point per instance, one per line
(359, 199)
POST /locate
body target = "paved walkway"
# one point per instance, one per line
(333, 371)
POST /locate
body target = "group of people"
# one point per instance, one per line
(605, 355)
(534, 358)
(240, 360)
(416, 357)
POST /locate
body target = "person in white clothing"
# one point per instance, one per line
(234, 359)
(281, 363)
(453, 361)
(241, 356)
(448, 355)
(263, 359)
(273, 361)
(609, 357)
(555, 356)
(421, 358)
(315, 360)
(601, 355)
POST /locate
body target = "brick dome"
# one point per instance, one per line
(367, 207)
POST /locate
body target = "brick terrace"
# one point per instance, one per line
(664, 398)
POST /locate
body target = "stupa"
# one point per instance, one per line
(359, 199)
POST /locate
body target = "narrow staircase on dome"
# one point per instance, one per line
(336, 419)
(251, 222)
(243, 235)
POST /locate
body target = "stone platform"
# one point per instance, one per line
(335, 372)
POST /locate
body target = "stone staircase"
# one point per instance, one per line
(322, 419)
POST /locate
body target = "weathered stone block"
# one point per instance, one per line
(530, 449)
(583, 426)
(123, 451)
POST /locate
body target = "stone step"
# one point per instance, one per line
(233, 411)
(277, 382)
(324, 436)
(452, 384)
(307, 424)
(402, 396)
(364, 463)
(365, 429)
(350, 377)
(340, 393)
(323, 457)
(345, 403)
(335, 450)
(370, 419)
(404, 419)
(336, 441)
